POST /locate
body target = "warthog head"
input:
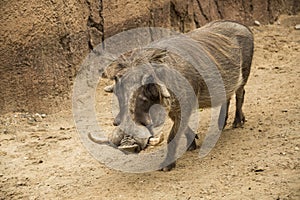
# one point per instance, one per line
(137, 89)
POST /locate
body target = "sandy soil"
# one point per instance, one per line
(43, 158)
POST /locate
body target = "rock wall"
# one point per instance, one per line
(190, 14)
(42, 43)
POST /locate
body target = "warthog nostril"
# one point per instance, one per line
(117, 120)
(129, 144)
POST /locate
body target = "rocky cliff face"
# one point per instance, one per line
(190, 14)
(44, 42)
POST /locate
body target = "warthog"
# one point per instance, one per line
(223, 48)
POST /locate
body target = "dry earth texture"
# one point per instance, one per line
(43, 158)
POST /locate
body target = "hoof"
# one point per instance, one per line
(193, 146)
(221, 126)
(238, 123)
(169, 167)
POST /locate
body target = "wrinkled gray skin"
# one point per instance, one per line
(228, 45)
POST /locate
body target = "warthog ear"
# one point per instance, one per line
(158, 56)
(152, 90)
(114, 69)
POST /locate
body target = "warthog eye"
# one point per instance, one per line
(115, 78)
(121, 65)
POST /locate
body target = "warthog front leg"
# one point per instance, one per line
(190, 135)
(239, 119)
(171, 149)
(117, 120)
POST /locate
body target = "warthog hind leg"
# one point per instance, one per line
(190, 135)
(239, 119)
(223, 115)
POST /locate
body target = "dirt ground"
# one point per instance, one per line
(43, 158)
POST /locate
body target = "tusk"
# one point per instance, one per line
(154, 141)
(130, 148)
(109, 88)
(164, 91)
(98, 140)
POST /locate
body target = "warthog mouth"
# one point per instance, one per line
(128, 143)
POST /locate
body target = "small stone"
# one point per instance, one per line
(297, 27)
(21, 184)
(257, 23)
(259, 170)
(261, 67)
(31, 121)
(43, 115)
(37, 117)
(297, 149)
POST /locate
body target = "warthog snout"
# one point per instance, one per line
(131, 139)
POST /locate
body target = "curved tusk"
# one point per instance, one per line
(109, 88)
(154, 141)
(130, 148)
(165, 92)
(98, 140)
